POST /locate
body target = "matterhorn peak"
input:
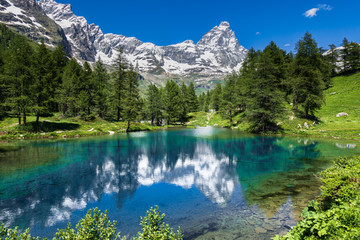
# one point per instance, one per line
(224, 25)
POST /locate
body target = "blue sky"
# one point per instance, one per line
(255, 22)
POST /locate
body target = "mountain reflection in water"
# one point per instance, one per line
(214, 183)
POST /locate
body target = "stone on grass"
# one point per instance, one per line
(342, 114)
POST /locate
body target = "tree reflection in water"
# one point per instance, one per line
(199, 177)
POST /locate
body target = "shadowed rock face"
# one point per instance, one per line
(28, 18)
(218, 53)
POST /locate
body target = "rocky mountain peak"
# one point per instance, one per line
(218, 53)
(224, 26)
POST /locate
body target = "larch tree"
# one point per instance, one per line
(308, 76)
(132, 106)
(19, 72)
(121, 66)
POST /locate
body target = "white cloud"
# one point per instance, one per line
(257, 33)
(313, 11)
(325, 7)
(287, 45)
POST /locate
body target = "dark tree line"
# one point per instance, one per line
(38, 81)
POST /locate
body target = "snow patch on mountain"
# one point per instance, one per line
(218, 53)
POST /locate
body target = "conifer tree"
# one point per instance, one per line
(193, 102)
(345, 53)
(308, 76)
(229, 100)
(131, 107)
(153, 105)
(101, 80)
(68, 91)
(120, 66)
(332, 57)
(201, 101)
(20, 77)
(172, 98)
(43, 88)
(207, 101)
(216, 97)
(184, 104)
(86, 98)
(265, 98)
(353, 59)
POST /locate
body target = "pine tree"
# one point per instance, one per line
(345, 53)
(172, 98)
(86, 96)
(308, 76)
(332, 58)
(201, 101)
(120, 66)
(153, 105)
(101, 80)
(60, 61)
(229, 100)
(207, 101)
(44, 86)
(216, 97)
(265, 98)
(131, 107)
(193, 102)
(18, 68)
(184, 103)
(68, 92)
(354, 56)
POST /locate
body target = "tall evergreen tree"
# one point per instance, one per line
(101, 80)
(86, 96)
(131, 107)
(201, 101)
(353, 59)
(69, 90)
(216, 97)
(345, 53)
(120, 66)
(153, 105)
(44, 87)
(184, 104)
(229, 100)
(333, 57)
(308, 76)
(172, 98)
(265, 98)
(193, 102)
(20, 77)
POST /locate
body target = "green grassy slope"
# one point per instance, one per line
(343, 96)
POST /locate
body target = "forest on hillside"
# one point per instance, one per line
(36, 80)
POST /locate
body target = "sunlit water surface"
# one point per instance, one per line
(214, 183)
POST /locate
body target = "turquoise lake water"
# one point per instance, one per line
(214, 183)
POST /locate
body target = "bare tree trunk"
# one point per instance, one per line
(37, 118)
(128, 127)
(24, 118)
(19, 116)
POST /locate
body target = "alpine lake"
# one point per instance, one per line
(215, 183)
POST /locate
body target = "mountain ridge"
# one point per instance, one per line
(217, 54)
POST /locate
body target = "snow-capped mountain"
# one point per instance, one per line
(28, 18)
(218, 53)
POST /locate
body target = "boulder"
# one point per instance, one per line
(342, 114)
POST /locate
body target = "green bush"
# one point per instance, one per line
(97, 225)
(153, 227)
(336, 213)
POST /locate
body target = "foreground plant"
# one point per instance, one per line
(96, 225)
(336, 213)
